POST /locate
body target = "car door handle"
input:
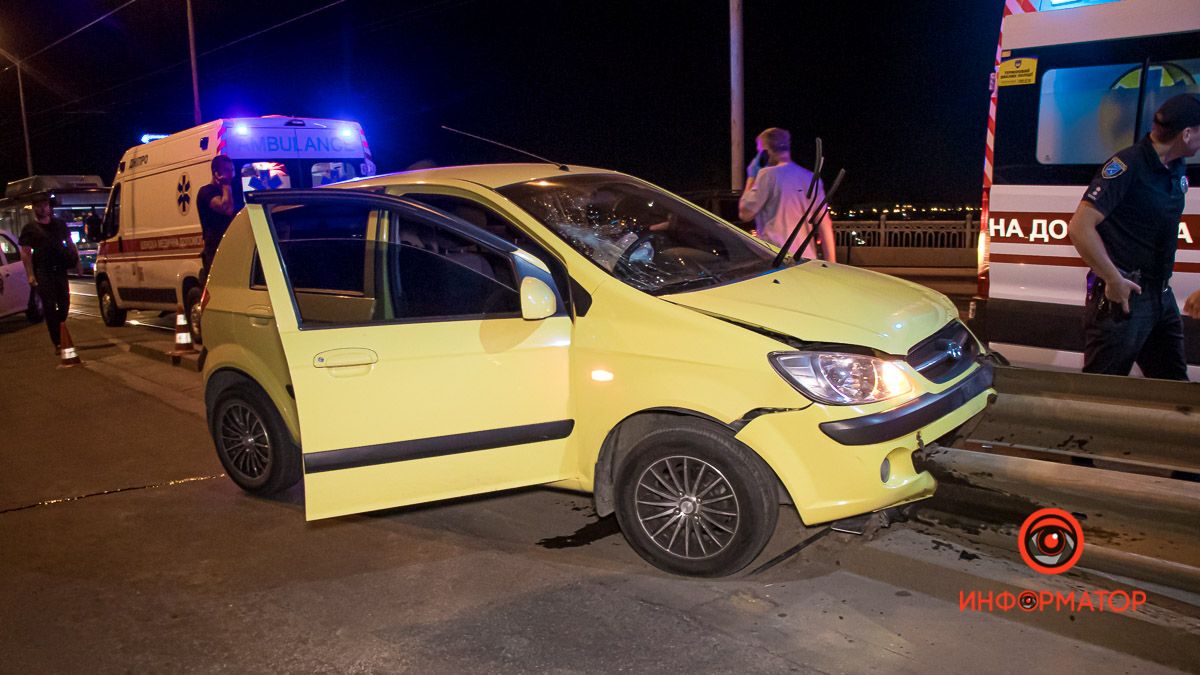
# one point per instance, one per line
(260, 315)
(344, 358)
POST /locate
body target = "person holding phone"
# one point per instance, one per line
(215, 206)
(47, 253)
(775, 197)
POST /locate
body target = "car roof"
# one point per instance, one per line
(488, 175)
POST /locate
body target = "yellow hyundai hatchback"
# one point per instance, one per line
(431, 334)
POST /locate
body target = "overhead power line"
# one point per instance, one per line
(70, 35)
(176, 64)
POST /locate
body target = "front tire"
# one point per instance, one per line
(112, 315)
(252, 442)
(692, 500)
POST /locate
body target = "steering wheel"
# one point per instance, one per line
(652, 239)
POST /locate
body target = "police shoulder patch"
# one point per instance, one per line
(1114, 168)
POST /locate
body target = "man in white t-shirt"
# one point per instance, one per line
(776, 196)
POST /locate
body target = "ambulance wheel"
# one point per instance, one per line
(191, 308)
(112, 315)
(252, 442)
(692, 500)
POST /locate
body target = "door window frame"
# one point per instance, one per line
(376, 201)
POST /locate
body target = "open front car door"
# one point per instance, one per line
(428, 358)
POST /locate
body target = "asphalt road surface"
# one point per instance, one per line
(124, 548)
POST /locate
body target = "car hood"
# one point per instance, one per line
(819, 302)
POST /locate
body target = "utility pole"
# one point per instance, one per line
(195, 74)
(24, 122)
(737, 126)
(21, 94)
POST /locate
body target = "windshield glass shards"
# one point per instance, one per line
(643, 236)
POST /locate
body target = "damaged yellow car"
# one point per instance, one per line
(432, 334)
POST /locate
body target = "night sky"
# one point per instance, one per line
(898, 91)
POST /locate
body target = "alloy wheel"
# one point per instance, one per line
(244, 441)
(687, 507)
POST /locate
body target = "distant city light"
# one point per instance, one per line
(146, 138)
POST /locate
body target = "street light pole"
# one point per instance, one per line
(21, 94)
(24, 122)
(737, 127)
(195, 75)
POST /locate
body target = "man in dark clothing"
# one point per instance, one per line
(214, 203)
(1126, 229)
(47, 253)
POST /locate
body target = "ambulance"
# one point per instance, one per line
(1076, 81)
(149, 257)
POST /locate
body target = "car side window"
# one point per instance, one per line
(8, 251)
(353, 264)
(487, 219)
(111, 222)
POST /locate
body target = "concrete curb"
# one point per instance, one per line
(161, 351)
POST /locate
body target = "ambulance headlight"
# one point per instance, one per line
(842, 379)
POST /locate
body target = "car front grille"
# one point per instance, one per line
(945, 354)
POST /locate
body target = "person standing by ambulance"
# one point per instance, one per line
(47, 253)
(776, 197)
(1126, 229)
(215, 205)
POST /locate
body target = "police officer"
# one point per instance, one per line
(1126, 230)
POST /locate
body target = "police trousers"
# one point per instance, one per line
(1150, 335)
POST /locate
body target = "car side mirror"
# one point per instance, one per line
(538, 300)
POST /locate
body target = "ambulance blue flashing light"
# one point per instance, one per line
(346, 132)
(241, 129)
(1048, 5)
(146, 138)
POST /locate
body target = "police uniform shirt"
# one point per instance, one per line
(1141, 201)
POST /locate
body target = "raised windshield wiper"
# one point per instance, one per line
(688, 284)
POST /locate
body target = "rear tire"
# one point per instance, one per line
(191, 309)
(693, 500)
(252, 441)
(112, 315)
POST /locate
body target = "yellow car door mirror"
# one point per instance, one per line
(537, 299)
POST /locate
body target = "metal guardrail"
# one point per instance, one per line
(908, 233)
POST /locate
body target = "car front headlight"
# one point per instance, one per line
(842, 379)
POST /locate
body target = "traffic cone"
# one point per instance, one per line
(183, 334)
(68, 355)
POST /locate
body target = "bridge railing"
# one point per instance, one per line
(908, 233)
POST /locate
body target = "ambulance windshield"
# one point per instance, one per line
(265, 176)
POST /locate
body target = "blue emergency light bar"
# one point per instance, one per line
(1049, 5)
(146, 138)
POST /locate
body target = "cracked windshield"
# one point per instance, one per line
(647, 238)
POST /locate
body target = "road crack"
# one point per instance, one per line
(132, 488)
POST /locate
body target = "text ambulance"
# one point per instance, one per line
(150, 255)
(1077, 80)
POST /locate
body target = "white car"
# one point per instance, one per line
(14, 284)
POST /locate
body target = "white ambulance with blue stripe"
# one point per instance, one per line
(150, 255)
